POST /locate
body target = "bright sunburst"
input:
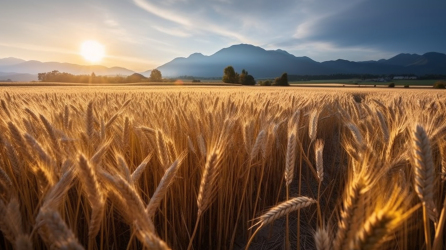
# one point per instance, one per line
(92, 51)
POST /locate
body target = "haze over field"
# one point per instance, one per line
(142, 35)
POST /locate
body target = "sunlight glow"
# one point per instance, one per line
(92, 51)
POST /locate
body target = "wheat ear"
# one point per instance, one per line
(384, 127)
(162, 149)
(290, 159)
(209, 179)
(89, 121)
(140, 169)
(50, 130)
(94, 194)
(202, 145)
(124, 169)
(278, 211)
(23, 242)
(284, 208)
(258, 144)
(8, 226)
(357, 136)
(312, 131)
(374, 230)
(319, 153)
(346, 225)
(163, 186)
(322, 239)
(66, 117)
(424, 171)
(208, 188)
(58, 233)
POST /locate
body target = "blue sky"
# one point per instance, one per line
(143, 34)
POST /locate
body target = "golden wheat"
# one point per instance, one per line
(104, 168)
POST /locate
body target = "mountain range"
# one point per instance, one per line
(263, 63)
(257, 61)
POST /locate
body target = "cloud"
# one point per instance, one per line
(171, 31)
(196, 18)
(161, 12)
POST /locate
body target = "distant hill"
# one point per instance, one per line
(263, 63)
(10, 61)
(20, 70)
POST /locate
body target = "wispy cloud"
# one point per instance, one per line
(163, 13)
(195, 22)
(171, 31)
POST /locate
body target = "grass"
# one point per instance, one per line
(175, 167)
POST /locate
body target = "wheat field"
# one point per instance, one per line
(221, 168)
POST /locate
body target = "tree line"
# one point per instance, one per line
(244, 78)
(56, 76)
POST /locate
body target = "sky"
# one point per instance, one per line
(144, 34)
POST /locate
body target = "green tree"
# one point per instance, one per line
(439, 84)
(282, 80)
(155, 76)
(246, 79)
(229, 75)
(236, 78)
(41, 76)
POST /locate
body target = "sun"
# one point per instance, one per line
(92, 51)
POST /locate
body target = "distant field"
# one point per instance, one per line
(187, 82)
(360, 82)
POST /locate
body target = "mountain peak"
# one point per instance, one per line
(10, 61)
(196, 55)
